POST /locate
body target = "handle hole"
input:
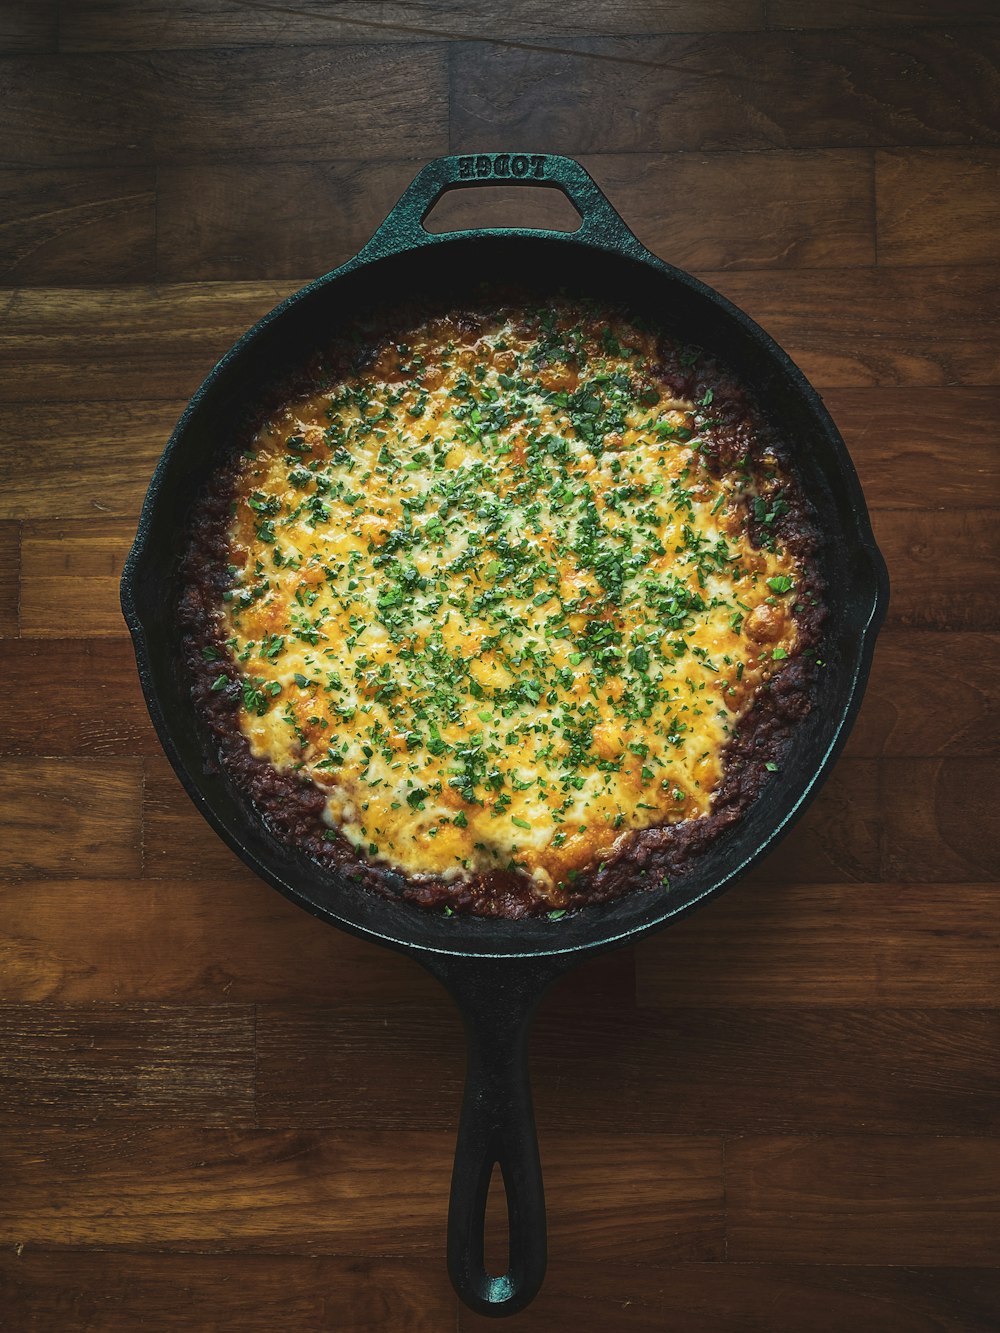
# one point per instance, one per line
(462, 208)
(496, 1226)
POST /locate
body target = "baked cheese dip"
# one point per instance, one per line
(500, 593)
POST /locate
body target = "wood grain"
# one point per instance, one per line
(75, 226)
(942, 820)
(185, 942)
(683, 1070)
(239, 1293)
(109, 449)
(70, 817)
(176, 842)
(102, 711)
(922, 449)
(839, 837)
(364, 1193)
(862, 1199)
(911, 86)
(673, 1187)
(28, 27)
(229, 1293)
(810, 209)
(162, 106)
(875, 13)
(122, 343)
(71, 574)
(930, 693)
(937, 204)
(120, 25)
(885, 327)
(158, 1064)
(765, 1298)
(62, 114)
(10, 576)
(307, 218)
(686, 209)
(923, 945)
(923, 820)
(217, 941)
(944, 565)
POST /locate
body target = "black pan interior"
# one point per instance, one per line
(451, 269)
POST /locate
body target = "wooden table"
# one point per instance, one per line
(221, 1114)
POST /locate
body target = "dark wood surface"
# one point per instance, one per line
(216, 1112)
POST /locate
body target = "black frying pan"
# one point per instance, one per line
(498, 970)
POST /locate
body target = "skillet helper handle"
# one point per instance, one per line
(498, 999)
(404, 228)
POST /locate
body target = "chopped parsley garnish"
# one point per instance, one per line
(502, 584)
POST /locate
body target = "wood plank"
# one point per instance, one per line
(898, 820)
(124, 110)
(10, 577)
(125, 344)
(76, 226)
(70, 576)
(886, 327)
(28, 27)
(121, 25)
(837, 840)
(177, 843)
(129, 1064)
(308, 217)
(935, 202)
(100, 710)
(682, 1070)
(811, 209)
(930, 694)
(942, 820)
(765, 1298)
(922, 449)
(237, 1293)
(676, 1071)
(215, 941)
(845, 327)
(74, 1290)
(864, 1200)
(943, 566)
(211, 941)
(350, 1194)
(70, 817)
(876, 13)
(919, 86)
(652, 1198)
(922, 945)
(108, 449)
(376, 1066)
(74, 111)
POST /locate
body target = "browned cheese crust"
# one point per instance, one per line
(508, 611)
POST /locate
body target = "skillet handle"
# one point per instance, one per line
(600, 223)
(497, 999)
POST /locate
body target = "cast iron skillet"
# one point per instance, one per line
(497, 970)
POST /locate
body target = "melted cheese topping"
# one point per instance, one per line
(489, 598)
